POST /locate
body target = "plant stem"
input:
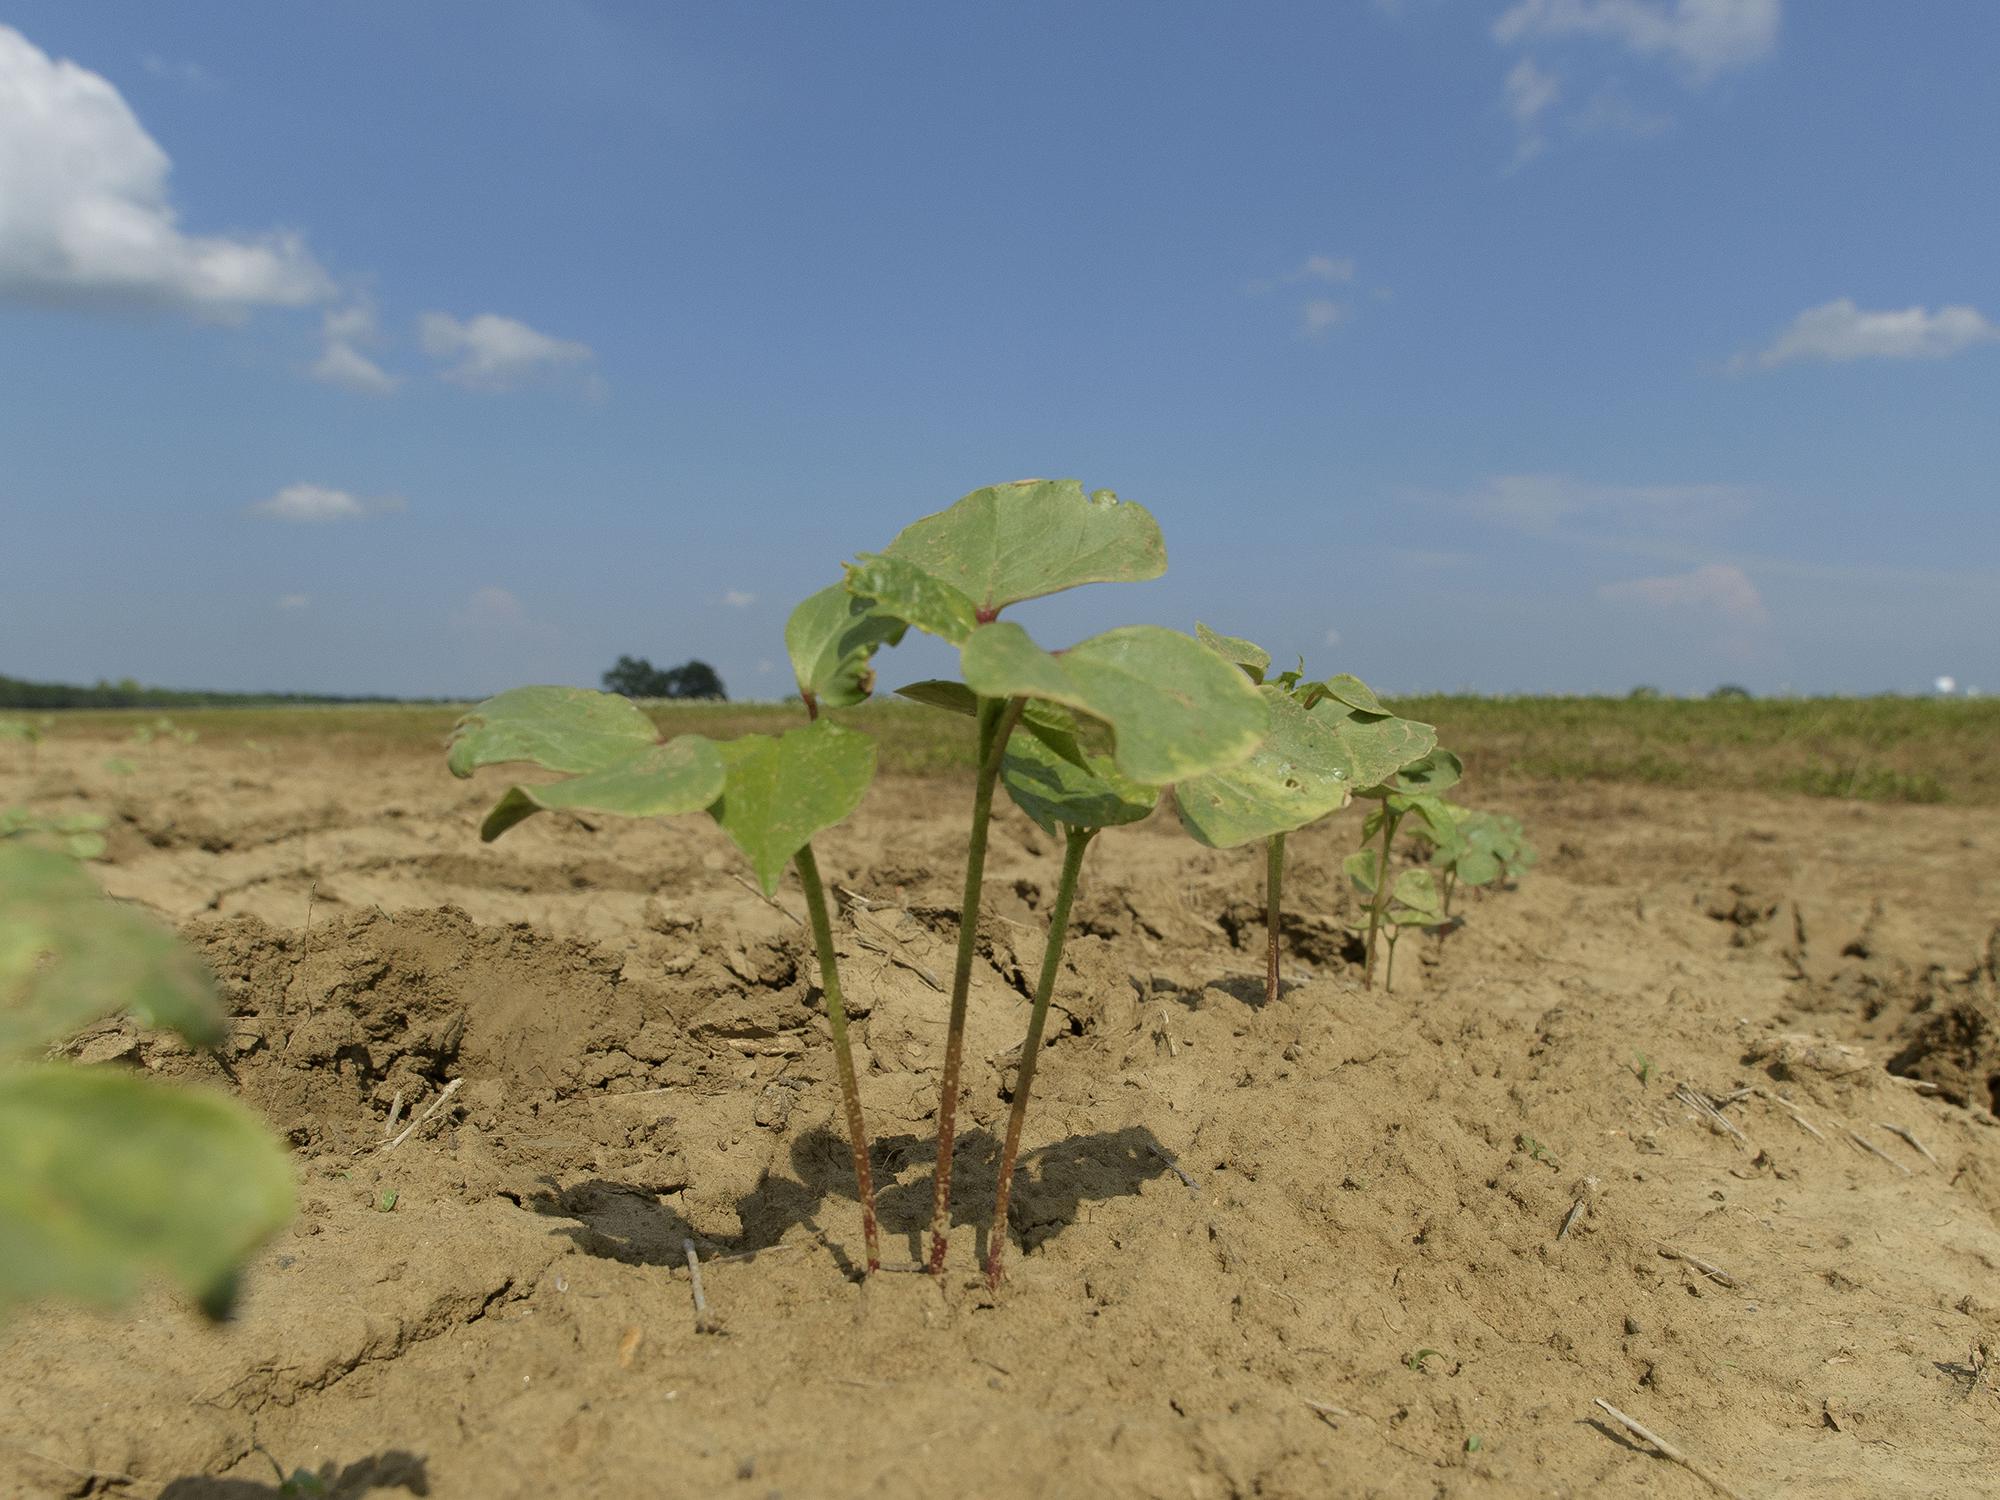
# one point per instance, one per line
(1389, 973)
(1274, 886)
(1389, 821)
(836, 1012)
(1078, 839)
(997, 718)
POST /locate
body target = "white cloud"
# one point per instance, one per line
(1718, 589)
(293, 601)
(1530, 91)
(84, 211)
(1702, 37)
(346, 331)
(1324, 268)
(1540, 503)
(312, 504)
(1840, 331)
(738, 599)
(1333, 637)
(492, 352)
(1318, 315)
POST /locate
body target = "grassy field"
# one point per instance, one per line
(1875, 749)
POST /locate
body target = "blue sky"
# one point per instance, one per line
(1538, 345)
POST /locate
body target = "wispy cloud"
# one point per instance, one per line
(187, 74)
(1529, 91)
(293, 601)
(739, 599)
(495, 353)
(490, 610)
(1541, 504)
(1318, 313)
(1720, 590)
(1839, 331)
(84, 213)
(1703, 38)
(316, 504)
(345, 333)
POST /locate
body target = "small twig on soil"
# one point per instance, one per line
(1713, 1272)
(855, 898)
(723, 1260)
(306, 941)
(1910, 1136)
(797, 920)
(703, 1323)
(1668, 1451)
(435, 1105)
(1874, 1150)
(1921, 1085)
(1327, 1410)
(1570, 1218)
(1164, 1030)
(395, 1114)
(1178, 1171)
(1791, 1109)
(1704, 1106)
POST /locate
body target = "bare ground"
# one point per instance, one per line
(1311, 1248)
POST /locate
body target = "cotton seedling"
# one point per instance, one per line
(1410, 901)
(770, 795)
(1074, 803)
(1412, 790)
(1475, 849)
(1171, 707)
(106, 1175)
(1326, 739)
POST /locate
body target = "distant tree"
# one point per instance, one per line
(1731, 690)
(1643, 693)
(637, 677)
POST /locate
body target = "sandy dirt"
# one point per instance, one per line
(1305, 1249)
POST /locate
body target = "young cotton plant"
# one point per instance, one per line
(1073, 802)
(105, 1174)
(772, 796)
(1412, 790)
(1172, 709)
(1477, 849)
(1326, 740)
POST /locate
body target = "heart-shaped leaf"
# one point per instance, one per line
(1414, 901)
(105, 1176)
(1299, 774)
(1175, 708)
(1053, 790)
(780, 792)
(1251, 657)
(684, 775)
(1351, 690)
(900, 588)
(1010, 542)
(68, 956)
(560, 728)
(831, 638)
(1379, 744)
(1363, 867)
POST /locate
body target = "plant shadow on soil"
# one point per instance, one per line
(625, 1222)
(379, 1472)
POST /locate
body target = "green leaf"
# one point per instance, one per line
(1361, 867)
(68, 957)
(1476, 866)
(1356, 694)
(1299, 774)
(903, 590)
(1175, 708)
(105, 1175)
(1050, 723)
(832, 638)
(1379, 744)
(1052, 789)
(780, 792)
(1438, 771)
(1010, 542)
(1417, 889)
(560, 728)
(684, 775)
(1251, 657)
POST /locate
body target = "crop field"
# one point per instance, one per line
(1695, 1118)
